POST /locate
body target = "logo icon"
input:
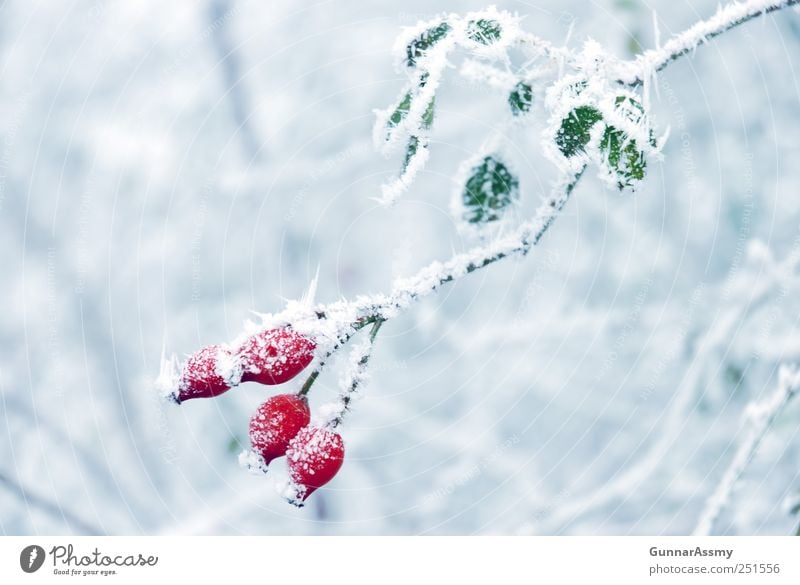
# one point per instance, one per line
(31, 558)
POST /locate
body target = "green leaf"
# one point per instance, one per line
(427, 116)
(629, 107)
(521, 98)
(622, 154)
(420, 45)
(627, 161)
(411, 150)
(490, 189)
(484, 31)
(401, 111)
(634, 111)
(573, 135)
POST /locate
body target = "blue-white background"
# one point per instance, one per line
(166, 167)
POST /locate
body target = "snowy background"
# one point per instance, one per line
(167, 167)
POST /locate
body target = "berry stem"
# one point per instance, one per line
(310, 380)
(357, 377)
(357, 326)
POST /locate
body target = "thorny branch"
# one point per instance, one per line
(433, 276)
(730, 16)
(345, 318)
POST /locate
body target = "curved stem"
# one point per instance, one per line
(310, 380)
(429, 279)
(634, 72)
(357, 378)
(379, 308)
(356, 326)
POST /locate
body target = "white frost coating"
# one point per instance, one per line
(510, 33)
(409, 33)
(428, 69)
(726, 17)
(391, 138)
(227, 366)
(426, 77)
(354, 377)
(166, 383)
(252, 462)
(291, 492)
(481, 72)
(356, 373)
(394, 189)
(759, 417)
(614, 103)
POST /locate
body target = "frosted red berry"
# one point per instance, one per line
(276, 422)
(315, 455)
(275, 356)
(204, 375)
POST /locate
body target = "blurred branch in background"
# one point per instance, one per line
(220, 14)
(759, 418)
(761, 279)
(52, 509)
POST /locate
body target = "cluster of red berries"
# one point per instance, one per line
(281, 425)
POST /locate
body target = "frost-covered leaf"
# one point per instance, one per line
(521, 98)
(490, 189)
(574, 132)
(629, 107)
(621, 153)
(401, 111)
(420, 45)
(484, 31)
(427, 117)
(411, 151)
(414, 159)
(623, 157)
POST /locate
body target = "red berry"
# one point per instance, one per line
(315, 455)
(202, 376)
(276, 422)
(275, 356)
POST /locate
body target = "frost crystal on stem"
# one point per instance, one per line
(727, 17)
(355, 377)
